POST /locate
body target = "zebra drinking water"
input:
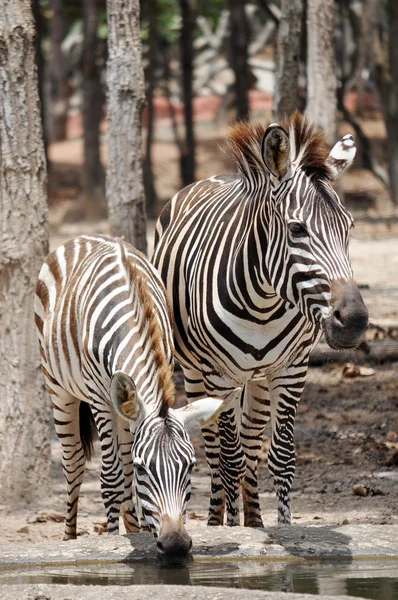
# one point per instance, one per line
(106, 344)
(256, 266)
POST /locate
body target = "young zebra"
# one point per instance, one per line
(256, 266)
(106, 344)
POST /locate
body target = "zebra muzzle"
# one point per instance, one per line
(173, 545)
(348, 321)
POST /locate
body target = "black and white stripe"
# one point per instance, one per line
(249, 262)
(106, 344)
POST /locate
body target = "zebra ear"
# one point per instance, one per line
(341, 156)
(207, 410)
(125, 398)
(275, 149)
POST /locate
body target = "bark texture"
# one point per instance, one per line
(125, 101)
(93, 175)
(239, 41)
(287, 59)
(186, 58)
(321, 73)
(24, 404)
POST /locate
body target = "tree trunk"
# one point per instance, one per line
(93, 173)
(321, 73)
(125, 101)
(287, 60)
(24, 403)
(59, 71)
(387, 76)
(186, 58)
(149, 179)
(239, 41)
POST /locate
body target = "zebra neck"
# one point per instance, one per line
(248, 268)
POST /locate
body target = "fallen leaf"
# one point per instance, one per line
(47, 515)
(24, 529)
(194, 515)
(350, 370)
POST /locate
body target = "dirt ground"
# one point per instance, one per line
(346, 428)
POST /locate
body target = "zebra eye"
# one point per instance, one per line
(297, 229)
(139, 469)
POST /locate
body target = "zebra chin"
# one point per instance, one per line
(348, 321)
(173, 545)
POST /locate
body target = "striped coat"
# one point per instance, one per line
(255, 266)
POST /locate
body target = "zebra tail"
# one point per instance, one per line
(88, 430)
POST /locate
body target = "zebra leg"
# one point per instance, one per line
(128, 511)
(67, 425)
(255, 415)
(232, 463)
(286, 388)
(195, 389)
(112, 477)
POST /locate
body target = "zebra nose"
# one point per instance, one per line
(349, 319)
(174, 544)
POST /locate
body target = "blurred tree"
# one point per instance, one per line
(24, 405)
(287, 58)
(59, 70)
(238, 54)
(93, 99)
(126, 98)
(40, 29)
(387, 77)
(187, 160)
(321, 71)
(150, 10)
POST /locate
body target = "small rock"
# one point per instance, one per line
(24, 529)
(346, 522)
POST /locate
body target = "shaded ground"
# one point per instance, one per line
(346, 429)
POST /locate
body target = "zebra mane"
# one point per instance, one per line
(308, 147)
(154, 334)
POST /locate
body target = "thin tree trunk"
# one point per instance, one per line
(321, 72)
(125, 101)
(24, 404)
(287, 60)
(93, 173)
(387, 76)
(149, 179)
(39, 59)
(59, 71)
(186, 58)
(238, 55)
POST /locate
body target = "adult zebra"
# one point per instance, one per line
(255, 266)
(106, 341)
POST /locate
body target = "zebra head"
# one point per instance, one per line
(163, 459)
(307, 252)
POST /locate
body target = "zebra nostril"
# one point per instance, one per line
(338, 318)
(159, 547)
